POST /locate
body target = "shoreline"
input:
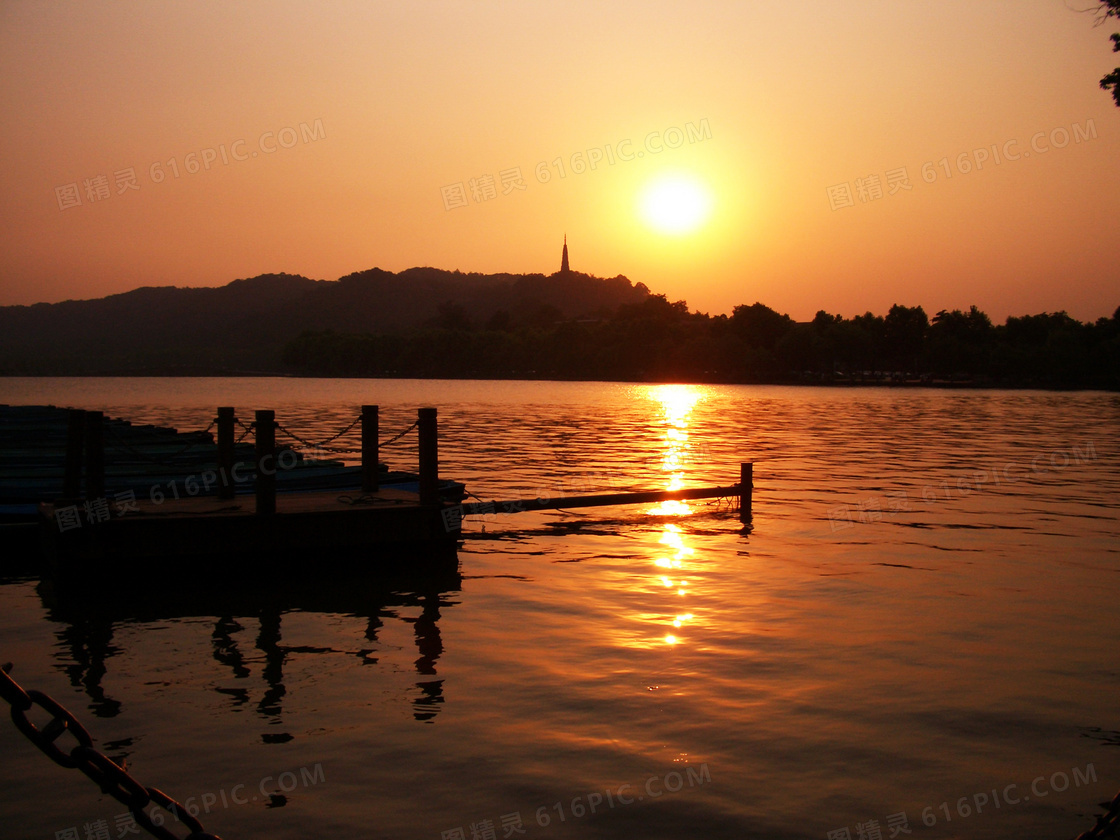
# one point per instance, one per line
(933, 384)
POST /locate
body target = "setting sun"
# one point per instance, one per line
(675, 204)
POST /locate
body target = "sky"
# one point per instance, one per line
(843, 156)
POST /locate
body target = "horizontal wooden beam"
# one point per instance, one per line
(636, 498)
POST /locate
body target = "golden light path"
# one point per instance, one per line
(677, 403)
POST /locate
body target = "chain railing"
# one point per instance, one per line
(110, 777)
(324, 445)
(395, 438)
(248, 431)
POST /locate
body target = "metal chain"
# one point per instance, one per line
(337, 449)
(111, 777)
(1106, 825)
(115, 781)
(395, 438)
(321, 445)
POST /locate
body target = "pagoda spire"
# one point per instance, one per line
(564, 257)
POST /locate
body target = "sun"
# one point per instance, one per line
(675, 204)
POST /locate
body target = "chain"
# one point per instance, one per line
(322, 444)
(111, 777)
(1106, 825)
(395, 438)
(244, 434)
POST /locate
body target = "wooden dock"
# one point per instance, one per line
(161, 542)
(146, 503)
(91, 530)
(156, 462)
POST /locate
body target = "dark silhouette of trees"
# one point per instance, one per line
(452, 315)
(1107, 9)
(659, 340)
(500, 321)
(759, 325)
(959, 342)
(904, 337)
(759, 330)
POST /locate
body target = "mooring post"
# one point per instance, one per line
(266, 463)
(95, 455)
(370, 454)
(429, 457)
(225, 452)
(746, 487)
(75, 434)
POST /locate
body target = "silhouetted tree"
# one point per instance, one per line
(759, 325)
(657, 340)
(822, 320)
(452, 316)
(872, 340)
(500, 321)
(959, 341)
(905, 335)
(544, 316)
(1107, 9)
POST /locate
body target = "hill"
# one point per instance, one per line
(243, 326)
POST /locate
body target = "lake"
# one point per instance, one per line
(917, 639)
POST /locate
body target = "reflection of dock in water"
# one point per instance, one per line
(89, 638)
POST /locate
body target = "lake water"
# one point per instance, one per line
(919, 638)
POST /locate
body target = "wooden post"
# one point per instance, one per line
(370, 453)
(75, 434)
(746, 488)
(266, 463)
(429, 457)
(95, 455)
(225, 452)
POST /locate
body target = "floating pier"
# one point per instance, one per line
(93, 530)
(146, 503)
(181, 538)
(44, 457)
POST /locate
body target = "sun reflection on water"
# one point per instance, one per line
(677, 403)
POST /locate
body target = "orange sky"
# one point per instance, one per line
(353, 118)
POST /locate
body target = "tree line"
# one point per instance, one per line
(659, 340)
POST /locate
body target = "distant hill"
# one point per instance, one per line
(243, 326)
